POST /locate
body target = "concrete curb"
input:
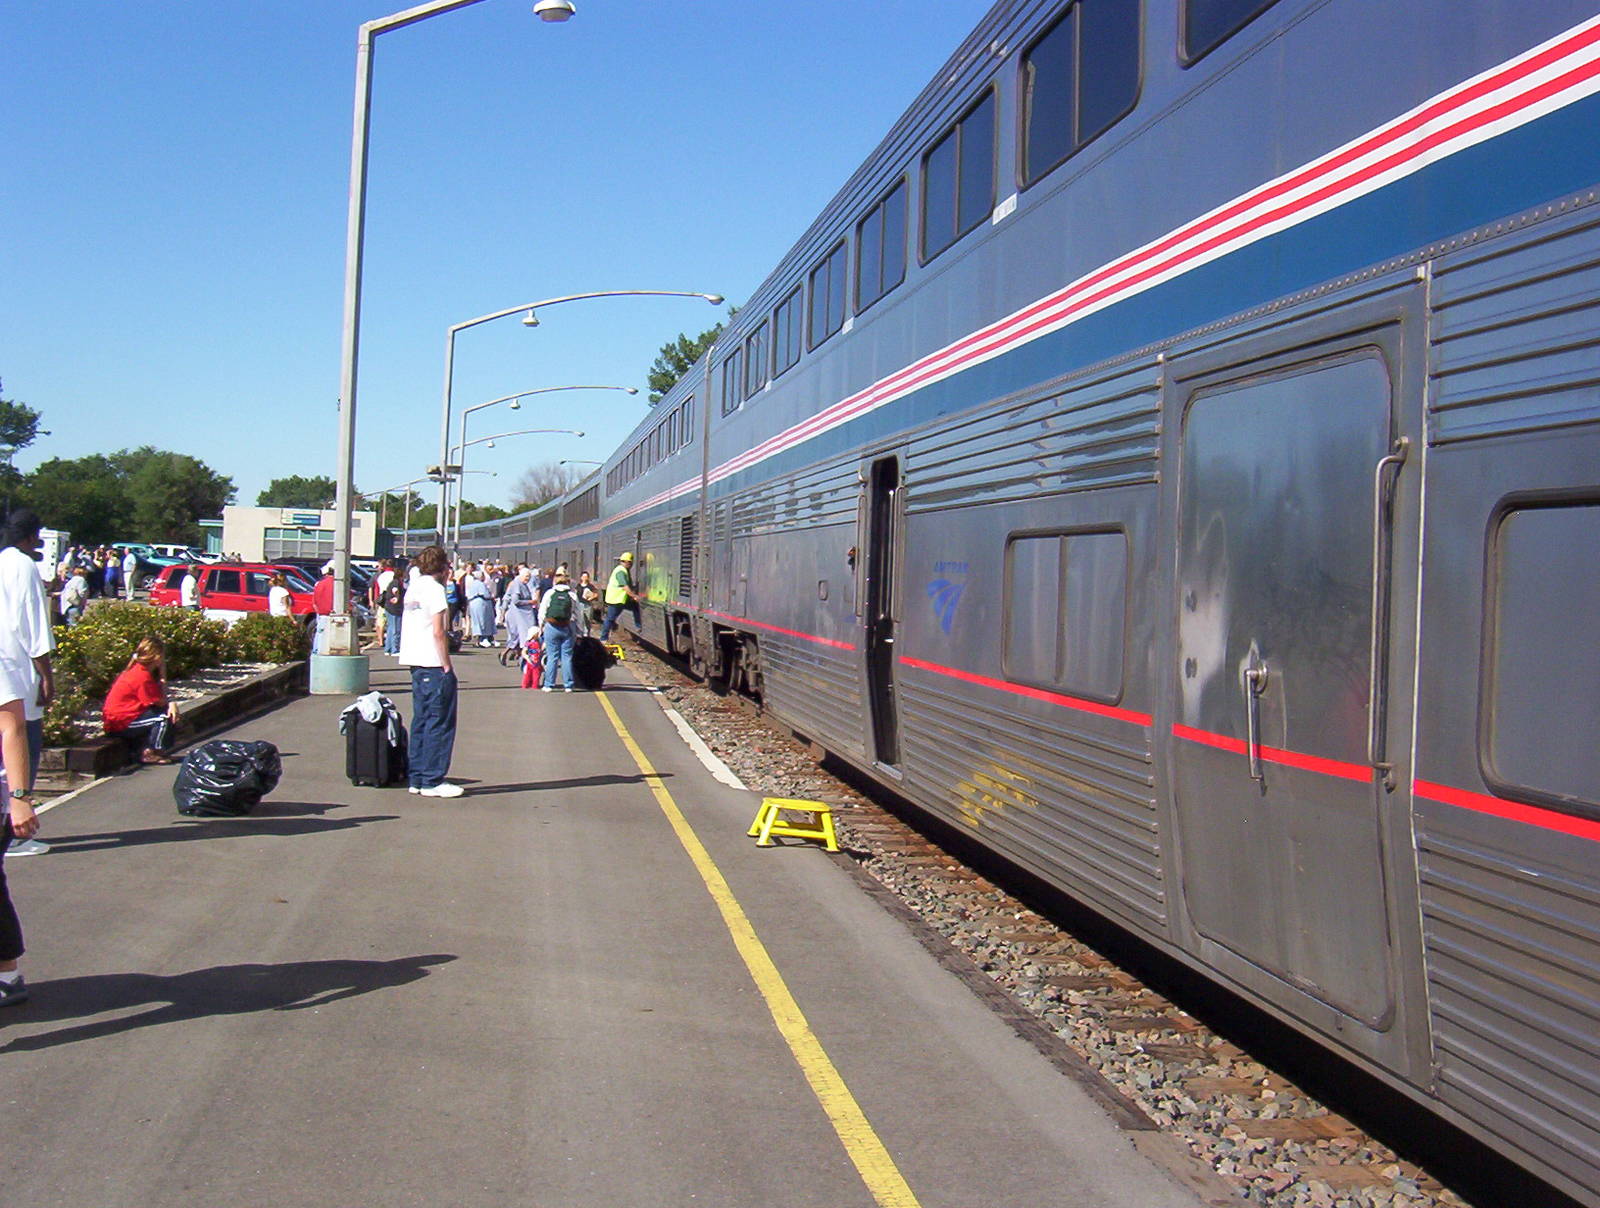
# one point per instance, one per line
(100, 757)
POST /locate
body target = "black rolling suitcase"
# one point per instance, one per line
(590, 659)
(374, 751)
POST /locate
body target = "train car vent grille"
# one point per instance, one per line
(686, 557)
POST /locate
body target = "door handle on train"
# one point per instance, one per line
(1377, 658)
(1255, 683)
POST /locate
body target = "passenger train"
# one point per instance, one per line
(1174, 456)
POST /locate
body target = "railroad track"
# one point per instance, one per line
(1234, 1103)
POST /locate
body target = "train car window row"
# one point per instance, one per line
(881, 248)
(958, 179)
(1065, 603)
(1078, 78)
(673, 432)
(1206, 24)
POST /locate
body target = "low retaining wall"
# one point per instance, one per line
(197, 718)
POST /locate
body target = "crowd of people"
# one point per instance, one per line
(84, 574)
(428, 615)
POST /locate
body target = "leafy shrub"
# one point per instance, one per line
(259, 638)
(61, 727)
(96, 650)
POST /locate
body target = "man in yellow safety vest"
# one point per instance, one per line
(620, 594)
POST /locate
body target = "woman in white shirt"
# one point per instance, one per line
(278, 596)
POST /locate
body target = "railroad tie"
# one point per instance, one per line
(777, 817)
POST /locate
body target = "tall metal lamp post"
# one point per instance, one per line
(342, 638)
(516, 403)
(459, 458)
(531, 319)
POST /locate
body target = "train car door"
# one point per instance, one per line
(1284, 743)
(882, 528)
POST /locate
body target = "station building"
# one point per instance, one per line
(276, 534)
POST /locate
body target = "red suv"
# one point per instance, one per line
(229, 590)
(165, 586)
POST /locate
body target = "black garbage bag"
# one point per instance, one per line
(223, 779)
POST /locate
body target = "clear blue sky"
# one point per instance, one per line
(173, 206)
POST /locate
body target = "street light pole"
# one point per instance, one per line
(515, 401)
(355, 233)
(530, 321)
(459, 456)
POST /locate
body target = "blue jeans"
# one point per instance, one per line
(391, 632)
(433, 725)
(613, 611)
(557, 645)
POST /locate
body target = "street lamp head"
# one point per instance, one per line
(530, 320)
(633, 390)
(714, 299)
(516, 404)
(490, 443)
(554, 10)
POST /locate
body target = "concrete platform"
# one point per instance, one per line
(525, 996)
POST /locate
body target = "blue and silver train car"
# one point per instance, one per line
(1174, 456)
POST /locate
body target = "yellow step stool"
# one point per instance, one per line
(616, 651)
(770, 821)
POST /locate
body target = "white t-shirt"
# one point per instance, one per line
(424, 599)
(189, 591)
(24, 630)
(278, 601)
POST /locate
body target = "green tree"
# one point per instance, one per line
(84, 495)
(19, 425)
(298, 492)
(19, 428)
(476, 513)
(145, 494)
(677, 356)
(172, 493)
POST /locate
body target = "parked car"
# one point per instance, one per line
(181, 553)
(165, 586)
(230, 590)
(150, 561)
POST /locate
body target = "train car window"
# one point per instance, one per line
(1065, 603)
(755, 360)
(827, 295)
(731, 394)
(1541, 655)
(1077, 80)
(958, 179)
(881, 248)
(688, 420)
(1206, 24)
(786, 332)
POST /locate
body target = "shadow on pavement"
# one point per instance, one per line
(576, 782)
(223, 990)
(208, 828)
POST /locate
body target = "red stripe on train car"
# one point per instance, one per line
(1053, 698)
(1290, 759)
(793, 633)
(1512, 811)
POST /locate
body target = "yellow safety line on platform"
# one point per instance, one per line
(872, 1160)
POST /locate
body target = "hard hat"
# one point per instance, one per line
(625, 556)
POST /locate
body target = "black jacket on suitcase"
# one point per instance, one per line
(374, 751)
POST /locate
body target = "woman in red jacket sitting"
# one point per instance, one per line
(137, 703)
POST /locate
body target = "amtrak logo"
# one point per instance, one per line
(945, 592)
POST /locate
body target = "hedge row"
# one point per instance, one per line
(91, 654)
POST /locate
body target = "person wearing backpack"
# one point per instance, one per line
(392, 603)
(558, 618)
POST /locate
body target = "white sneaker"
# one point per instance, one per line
(443, 789)
(568, 688)
(27, 847)
(415, 789)
(547, 688)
